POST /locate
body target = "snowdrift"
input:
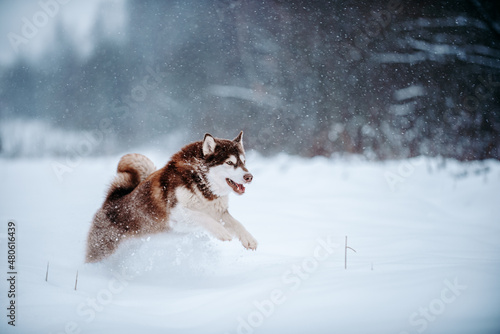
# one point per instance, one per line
(423, 254)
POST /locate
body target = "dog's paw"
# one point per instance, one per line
(248, 241)
(223, 235)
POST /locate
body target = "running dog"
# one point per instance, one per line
(193, 186)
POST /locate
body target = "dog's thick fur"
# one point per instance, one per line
(194, 185)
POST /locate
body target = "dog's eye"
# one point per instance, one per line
(230, 163)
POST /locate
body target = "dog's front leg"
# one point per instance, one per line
(210, 224)
(247, 240)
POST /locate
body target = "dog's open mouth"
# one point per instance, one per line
(238, 188)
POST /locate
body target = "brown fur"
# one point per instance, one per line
(140, 199)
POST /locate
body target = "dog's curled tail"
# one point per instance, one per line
(132, 169)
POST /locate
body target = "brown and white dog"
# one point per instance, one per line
(193, 186)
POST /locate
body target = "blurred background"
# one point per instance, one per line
(385, 79)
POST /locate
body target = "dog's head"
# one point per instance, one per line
(226, 163)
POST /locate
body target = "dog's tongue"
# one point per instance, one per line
(238, 188)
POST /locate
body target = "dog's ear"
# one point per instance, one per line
(208, 145)
(239, 139)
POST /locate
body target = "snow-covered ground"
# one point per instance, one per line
(426, 235)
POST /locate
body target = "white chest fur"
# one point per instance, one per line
(192, 201)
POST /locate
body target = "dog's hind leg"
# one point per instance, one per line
(103, 238)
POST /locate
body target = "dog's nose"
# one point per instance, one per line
(248, 177)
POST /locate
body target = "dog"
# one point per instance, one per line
(194, 186)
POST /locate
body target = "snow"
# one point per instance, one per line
(245, 94)
(402, 109)
(389, 57)
(409, 92)
(425, 232)
(459, 21)
(35, 138)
